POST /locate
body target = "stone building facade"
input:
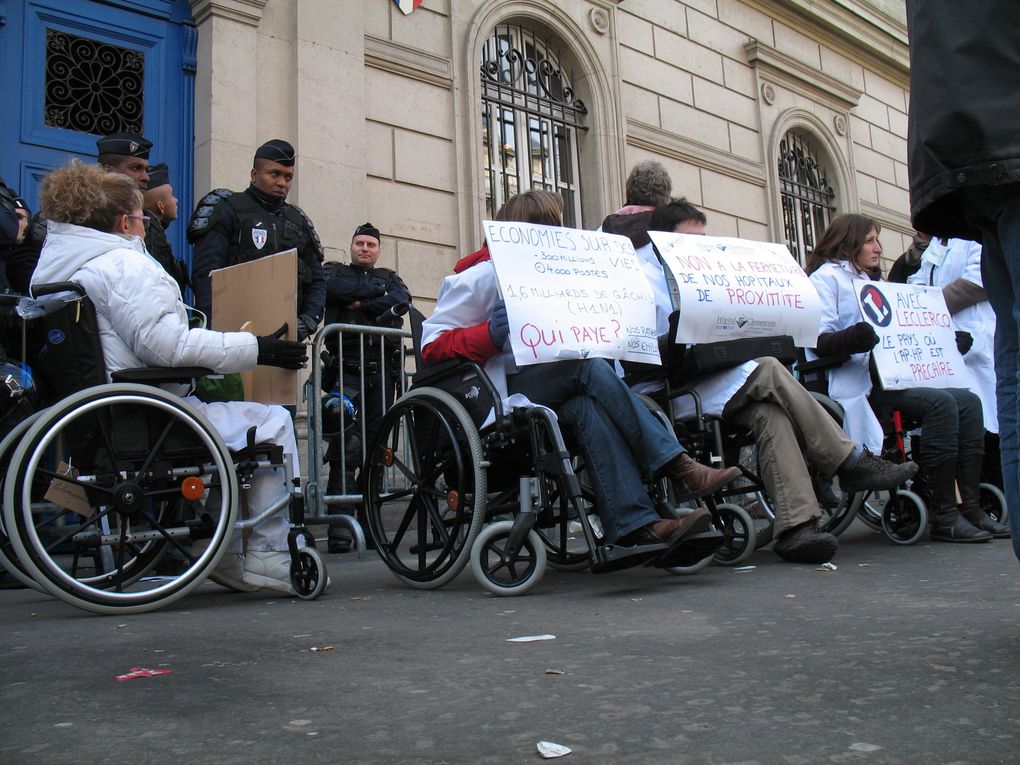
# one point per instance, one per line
(771, 115)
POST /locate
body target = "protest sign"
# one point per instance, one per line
(258, 297)
(916, 340)
(572, 294)
(731, 288)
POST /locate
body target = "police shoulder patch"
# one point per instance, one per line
(205, 213)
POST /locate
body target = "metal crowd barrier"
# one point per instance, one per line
(318, 502)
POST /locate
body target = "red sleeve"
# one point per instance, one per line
(471, 343)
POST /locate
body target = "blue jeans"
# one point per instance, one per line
(996, 212)
(952, 422)
(620, 440)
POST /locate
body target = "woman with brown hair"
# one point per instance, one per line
(952, 444)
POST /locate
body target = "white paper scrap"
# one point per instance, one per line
(549, 750)
(530, 638)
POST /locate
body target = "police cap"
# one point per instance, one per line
(159, 175)
(124, 144)
(278, 151)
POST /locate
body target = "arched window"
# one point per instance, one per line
(805, 192)
(531, 121)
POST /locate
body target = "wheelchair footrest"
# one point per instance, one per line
(688, 550)
(615, 557)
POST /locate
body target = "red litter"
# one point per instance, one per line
(142, 672)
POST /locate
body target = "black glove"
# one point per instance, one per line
(306, 326)
(860, 338)
(864, 339)
(499, 325)
(964, 341)
(276, 352)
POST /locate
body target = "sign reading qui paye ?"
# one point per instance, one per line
(916, 340)
(572, 294)
(731, 288)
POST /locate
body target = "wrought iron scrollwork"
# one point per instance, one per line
(807, 197)
(92, 86)
(536, 75)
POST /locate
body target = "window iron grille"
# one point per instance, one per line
(531, 121)
(92, 86)
(806, 195)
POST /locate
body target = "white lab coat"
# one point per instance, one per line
(466, 299)
(850, 383)
(716, 389)
(942, 264)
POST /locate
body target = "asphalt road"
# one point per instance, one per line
(901, 655)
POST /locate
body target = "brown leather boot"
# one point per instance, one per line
(697, 479)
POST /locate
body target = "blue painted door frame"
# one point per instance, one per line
(162, 30)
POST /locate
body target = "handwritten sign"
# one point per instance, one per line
(730, 288)
(572, 294)
(916, 340)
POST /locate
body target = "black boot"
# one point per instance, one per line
(968, 478)
(938, 488)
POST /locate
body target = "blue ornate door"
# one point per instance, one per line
(73, 70)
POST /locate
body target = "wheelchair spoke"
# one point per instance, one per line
(154, 449)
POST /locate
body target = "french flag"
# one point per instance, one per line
(406, 6)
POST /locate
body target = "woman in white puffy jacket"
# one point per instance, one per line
(846, 257)
(95, 237)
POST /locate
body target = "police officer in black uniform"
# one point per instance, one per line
(362, 293)
(160, 208)
(230, 228)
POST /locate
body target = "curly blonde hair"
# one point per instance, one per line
(87, 195)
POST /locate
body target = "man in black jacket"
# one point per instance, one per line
(161, 209)
(364, 370)
(227, 229)
(964, 160)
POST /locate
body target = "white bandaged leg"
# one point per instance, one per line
(232, 419)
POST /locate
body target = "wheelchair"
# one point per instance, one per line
(103, 487)
(452, 479)
(900, 514)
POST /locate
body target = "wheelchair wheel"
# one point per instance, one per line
(424, 484)
(105, 483)
(507, 577)
(904, 517)
(872, 509)
(836, 520)
(565, 544)
(308, 574)
(694, 568)
(992, 499)
(739, 534)
(8, 558)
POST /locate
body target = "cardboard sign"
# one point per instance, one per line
(916, 339)
(572, 294)
(69, 495)
(730, 288)
(259, 297)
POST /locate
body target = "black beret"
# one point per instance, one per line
(124, 144)
(159, 175)
(367, 229)
(276, 150)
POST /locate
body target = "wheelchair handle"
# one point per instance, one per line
(39, 290)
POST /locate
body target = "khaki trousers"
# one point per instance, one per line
(791, 430)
